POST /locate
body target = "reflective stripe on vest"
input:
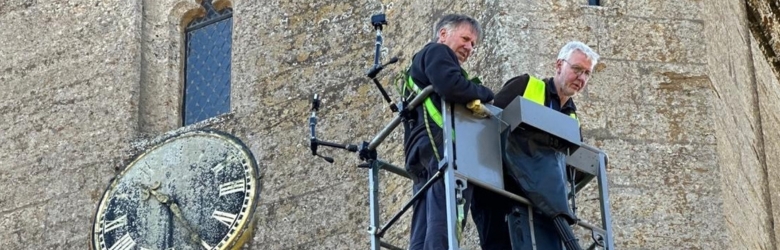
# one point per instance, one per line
(535, 91)
(428, 104)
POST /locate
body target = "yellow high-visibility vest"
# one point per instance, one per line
(535, 91)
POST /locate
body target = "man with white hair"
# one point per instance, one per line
(535, 165)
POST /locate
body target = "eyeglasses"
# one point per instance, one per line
(579, 70)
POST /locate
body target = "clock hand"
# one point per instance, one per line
(174, 208)
(194, 237)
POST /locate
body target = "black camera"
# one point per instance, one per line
(378, 20)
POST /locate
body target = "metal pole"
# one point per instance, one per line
(373, 190)
(606, 215)
(379, 45)
(449, 177)
(397, 120)
(393, 169)
(410, 203)
(373, 176)
(391, 247)
(584, 182)
(503, 192)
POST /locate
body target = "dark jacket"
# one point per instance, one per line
(437, 65)
(534, 167)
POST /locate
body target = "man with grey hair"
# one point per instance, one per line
(438, 64)
(534, 164)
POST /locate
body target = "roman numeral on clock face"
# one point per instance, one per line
(225, 218)
(224, 163)
(231, 187)
(219, 167)
(114, 224)
(205, 245)
(124, 243)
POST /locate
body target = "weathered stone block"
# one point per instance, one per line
(688, 10)
(642, 39)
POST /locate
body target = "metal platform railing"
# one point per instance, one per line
(479, 163)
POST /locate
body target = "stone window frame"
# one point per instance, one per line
(219, 6)
(162, 73)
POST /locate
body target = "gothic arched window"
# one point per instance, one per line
(208, 42)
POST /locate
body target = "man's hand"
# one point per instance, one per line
(478, 109)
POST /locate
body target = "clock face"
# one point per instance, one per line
(197, 190)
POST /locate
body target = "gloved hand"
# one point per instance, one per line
(477, 109)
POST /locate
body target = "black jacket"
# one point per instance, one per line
(534, 168)
(437, 65)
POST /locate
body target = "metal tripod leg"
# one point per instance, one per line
(420, 193)
(373, 193)
(378, 232)
(375, 165)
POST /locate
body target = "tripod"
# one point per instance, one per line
(470, 167)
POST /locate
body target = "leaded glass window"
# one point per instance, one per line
(207, 65)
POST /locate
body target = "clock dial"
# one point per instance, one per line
(197, 190)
